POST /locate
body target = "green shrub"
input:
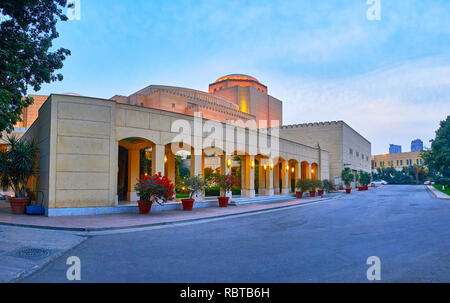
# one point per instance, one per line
(304, 185)
(317, 184)
(347, 176)
(327, 185)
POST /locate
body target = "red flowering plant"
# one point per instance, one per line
(156, 188)
(227, 182)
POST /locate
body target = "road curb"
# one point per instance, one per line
(129, 227)
(436, 193)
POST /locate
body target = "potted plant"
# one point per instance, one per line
(150, 189)
(195, 186)
(319, 187)
(226, 183)
(348, 178)
(17, 166)
(364, 179)
(304, 185)
(327, 185)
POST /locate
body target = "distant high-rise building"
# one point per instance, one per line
(416, 145)
(393, 149)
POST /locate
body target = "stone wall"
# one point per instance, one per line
(337, 138)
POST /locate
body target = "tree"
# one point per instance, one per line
(27, 30)
(438, 157)
(347, 177)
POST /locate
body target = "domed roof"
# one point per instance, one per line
(237, 77)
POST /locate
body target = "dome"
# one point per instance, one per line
(237, 77)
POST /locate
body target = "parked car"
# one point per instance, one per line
(378, 182)
(428, 183)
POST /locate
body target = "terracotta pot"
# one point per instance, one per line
(144, 207)
(223, 201)
(348, 190)
(299, 194)
(320, 192)
(188, 204)
(312, 193)
(18, 205)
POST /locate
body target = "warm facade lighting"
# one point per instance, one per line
(312, 170)
(271, 165)
(287, 167)
(165, 159)
(292, 170)
(229, 162)
(265, 167)
(253, 164)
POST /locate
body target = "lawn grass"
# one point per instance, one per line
(182, 196)
(446, 191)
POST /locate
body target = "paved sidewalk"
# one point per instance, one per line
(437, 193)
(24, 250)
(131, 220)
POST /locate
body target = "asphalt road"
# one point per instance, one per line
(404, 226)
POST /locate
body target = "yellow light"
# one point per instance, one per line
(292, 169)
(183, 188)
(165, 159)
(265, 167)
(229, 162)
(312, 170)
(253, 164)
(271, 166)
(287, 167)
(146, 174)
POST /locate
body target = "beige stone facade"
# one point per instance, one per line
(79, 140)
(397, 160)
(346, 147)
(92, 151)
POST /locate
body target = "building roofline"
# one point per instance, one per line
(338, 122)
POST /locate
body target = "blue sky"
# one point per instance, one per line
(388, 79)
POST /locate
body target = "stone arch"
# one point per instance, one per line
(305, 173)
(135, 157)
(293, 173)
(314, 171)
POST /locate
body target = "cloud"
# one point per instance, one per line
(389, 105)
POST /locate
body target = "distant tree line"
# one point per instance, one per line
(408, 175)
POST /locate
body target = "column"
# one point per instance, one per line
(158, 153)
(262, 177)
(170, 173)
(197, 168)
(285, 178)
(248, 182)
(133, 173)
(196, 163)
(269, 181)
(224, 168)
(276, 178)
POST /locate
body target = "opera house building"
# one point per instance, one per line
(92, 150)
